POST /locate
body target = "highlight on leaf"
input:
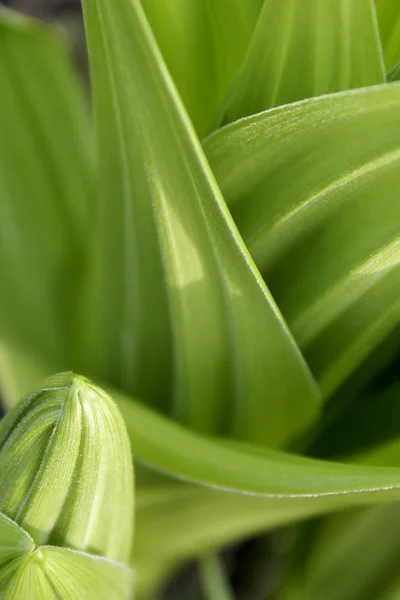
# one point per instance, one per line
(237, 296)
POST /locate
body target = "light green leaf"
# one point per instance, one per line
(203, 43)
(171, 271)
(304, 49)
(318, 211)
(388, 12)
(60, 574)
(88, 503)
(14, 542)
(180, 452)
(193, 520)
(43, 211)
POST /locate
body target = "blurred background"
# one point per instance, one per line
(65, 15)
(43, 8)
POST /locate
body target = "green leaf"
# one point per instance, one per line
(203, 43)
(170, 271)
(388, 12)
(353, 554)
(61, 574)
(271, 489)
(181, 521)
(304, 49)
(305, 199)
(88, 503)
(248, 469)
(14, 542)
(394, 74)
(214, 580)
(394, 591)
(178, 522)
(42, 213)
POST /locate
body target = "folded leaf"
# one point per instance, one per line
(388, 12)
(171, 448)
(203, 43)
(43, 212)
(14, 542)
(172, 289)
(88, 503)
(61, 574)
(318, 211)
(304, 49)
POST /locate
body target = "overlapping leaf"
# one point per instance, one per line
(203, 44)
(45, 183)
(354, 555)
(59, 573)
(315, 199)
(243, 489)
(14, 541)
(171, 278)
(304, 49)
(388, 12)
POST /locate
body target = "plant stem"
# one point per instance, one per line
(214, 582)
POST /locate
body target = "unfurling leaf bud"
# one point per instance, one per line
(66, 495)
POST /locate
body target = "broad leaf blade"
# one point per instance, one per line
(182, 453)
(316, 205)
(304, 49)
(43, 212)
(270, 489)
(167, 227)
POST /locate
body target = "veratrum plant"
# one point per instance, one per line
(216, 240)
(66, 495)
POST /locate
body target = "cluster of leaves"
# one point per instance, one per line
(223, 251)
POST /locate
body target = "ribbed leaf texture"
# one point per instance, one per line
(66, 495)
